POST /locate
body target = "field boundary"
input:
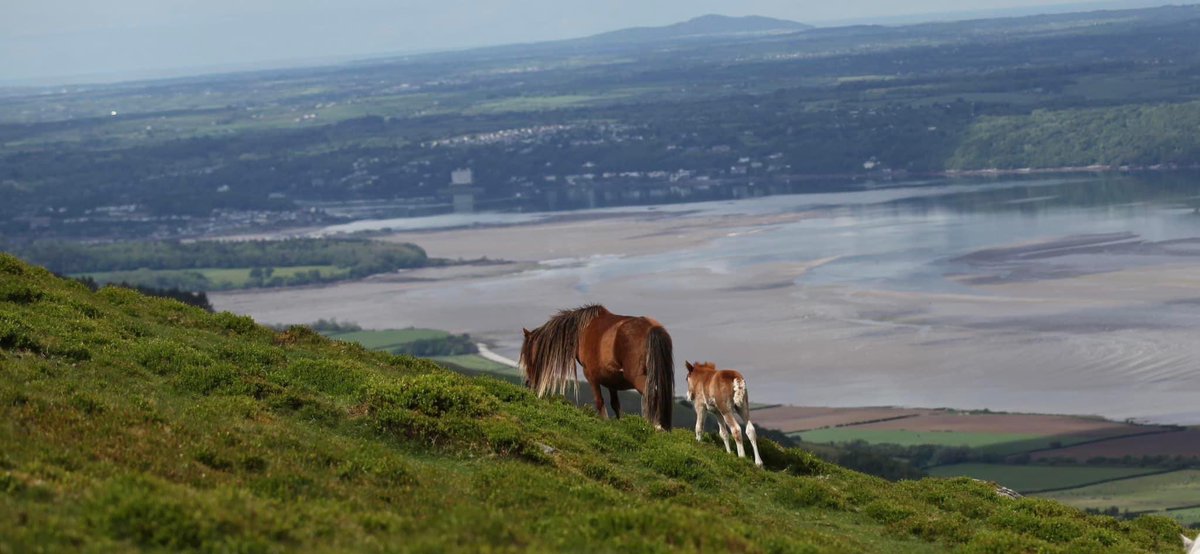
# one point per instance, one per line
(1136, 513)
(1101, 482)
(1104, 439)
(868, 422)
(845, 425)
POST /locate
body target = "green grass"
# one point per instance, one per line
(130, 423)
(1149, 493)
(1026, 478)
(389, 338)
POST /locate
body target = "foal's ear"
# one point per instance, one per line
(526, 331)
(689, 366)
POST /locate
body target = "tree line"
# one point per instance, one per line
(361, 257)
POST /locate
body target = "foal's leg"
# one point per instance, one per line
(724, 431)
(750, 434)
(737, 432)
(700, 413)
(614, 398)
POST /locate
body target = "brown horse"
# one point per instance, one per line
(618, 352)
(722, 392)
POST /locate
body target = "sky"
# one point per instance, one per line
(47, 41)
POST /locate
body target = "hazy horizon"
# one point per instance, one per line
(51, 42)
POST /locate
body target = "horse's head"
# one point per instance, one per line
(696, 375)
(528, 354)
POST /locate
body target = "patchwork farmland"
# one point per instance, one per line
(1088, 462)
(1185, 443)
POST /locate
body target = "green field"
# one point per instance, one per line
(1087, 486)
(209, 265)
(1150, 493)
(529, 103)
(240, 277)
(217, 278)
(904, 437)
(1026, 478)
(1189, 516)
(388, 338)
(1004, 444)
(476, 362)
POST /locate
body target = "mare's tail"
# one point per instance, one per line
(660, 378)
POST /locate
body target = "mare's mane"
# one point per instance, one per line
(553, 348)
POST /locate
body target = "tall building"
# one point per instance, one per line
(462, 190)
(461, 177)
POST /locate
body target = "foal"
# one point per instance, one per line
(721, 392)
(1192, 546)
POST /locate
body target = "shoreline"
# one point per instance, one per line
(488, 354)
(1040, 320)
(895, 179)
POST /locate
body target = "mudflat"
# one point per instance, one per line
(824, 305)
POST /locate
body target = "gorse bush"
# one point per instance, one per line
(190, 295)
(136, 423)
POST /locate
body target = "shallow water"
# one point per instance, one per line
(860, 297)
(901, 236)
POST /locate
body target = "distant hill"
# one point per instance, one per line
(705, 25)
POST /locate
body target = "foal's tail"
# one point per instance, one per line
(741, 399)
(660, 378)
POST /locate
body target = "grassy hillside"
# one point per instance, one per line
(131, 422)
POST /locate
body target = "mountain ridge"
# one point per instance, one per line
(708, 25)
